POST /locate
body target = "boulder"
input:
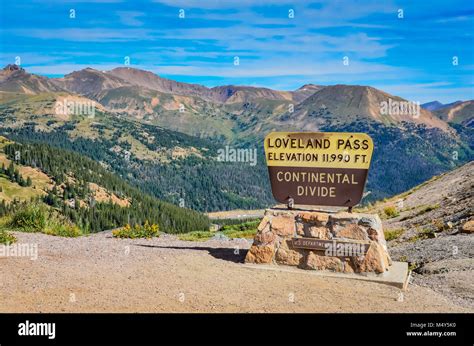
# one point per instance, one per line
(321, 262)
(287, 255)
(283, 225)
(351, 231)
(343, 218)
(468, 227)
(318, 232)
(264, 238)
(375, 260)
(260, 254)
(220, 236)
(317, 218)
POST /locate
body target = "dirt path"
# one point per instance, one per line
(102, 274)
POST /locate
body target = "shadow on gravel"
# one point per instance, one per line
(226, 254)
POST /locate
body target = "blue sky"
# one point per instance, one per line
(411, 56)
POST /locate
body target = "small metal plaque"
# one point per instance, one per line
(336, 248)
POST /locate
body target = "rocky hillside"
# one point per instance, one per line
(89, 82)
(435, 105)
(220, 94)
(15, 79)
(348, 103)
(432, 227)
(458, 113)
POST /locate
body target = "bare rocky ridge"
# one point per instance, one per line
(301, 94)
(154, 82)
(432, 106)
(458, 112)
(350, 103)
(89, 82)
(219, 94)
(435, 105)
(15, 79)
(145, 91)
(242, 94)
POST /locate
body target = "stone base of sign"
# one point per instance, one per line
(397, 275)
(281, 233)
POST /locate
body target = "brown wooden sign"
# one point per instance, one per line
(339, 248)
(318, 168)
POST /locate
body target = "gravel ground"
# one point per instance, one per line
(101, 274)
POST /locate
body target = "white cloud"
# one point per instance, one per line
(130, 18)
(444, 92)
(85, 34)
(273, 69)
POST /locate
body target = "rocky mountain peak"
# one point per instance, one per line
(13, 67)
(309, 86)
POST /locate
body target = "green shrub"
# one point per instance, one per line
(423, 209)
(63, 230)
(391, 211)
(249, 233)
(244, 226)
(392, 234)
(196, 236)
(411, 265)
(246, 229)
(226, 222)
(137, 231)
(423, 234)
(6, 238)
(37, 218)
(427, 208)
(31, 218)
(439, 225)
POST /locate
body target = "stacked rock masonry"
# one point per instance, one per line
(273, 243)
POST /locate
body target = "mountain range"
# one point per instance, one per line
(163, 136)
(145, 95)
(435, 105)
